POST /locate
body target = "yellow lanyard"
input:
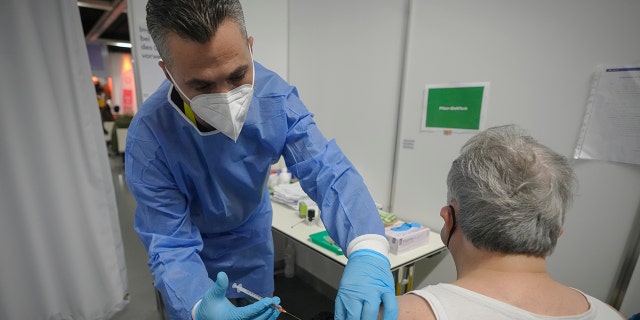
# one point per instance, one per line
(189, 113)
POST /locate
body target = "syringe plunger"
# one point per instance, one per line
(240, 288)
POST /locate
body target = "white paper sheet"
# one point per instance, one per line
(611, 127)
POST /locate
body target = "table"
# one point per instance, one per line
(402, 265)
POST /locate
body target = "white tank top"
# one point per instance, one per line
(450, 302)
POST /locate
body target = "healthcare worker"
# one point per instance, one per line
(198, 157)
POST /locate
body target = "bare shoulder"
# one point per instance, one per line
(411, 306)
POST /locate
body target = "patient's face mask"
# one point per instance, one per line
(224, 111)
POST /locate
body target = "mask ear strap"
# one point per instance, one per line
(175, 85)
(453, 226)
(253, 68)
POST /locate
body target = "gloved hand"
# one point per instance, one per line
(215, 306)
(366, 281)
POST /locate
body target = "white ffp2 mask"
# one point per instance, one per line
(224, 111)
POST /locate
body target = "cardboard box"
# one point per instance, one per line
(402, 241)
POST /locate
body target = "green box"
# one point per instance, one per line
(322, 239)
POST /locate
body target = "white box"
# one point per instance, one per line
(401, 241)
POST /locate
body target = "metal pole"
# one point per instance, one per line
(629, 261)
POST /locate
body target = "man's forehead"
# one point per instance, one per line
(206, 63)
(227, 44)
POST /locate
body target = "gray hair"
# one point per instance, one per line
(512, 192)
(196, 20)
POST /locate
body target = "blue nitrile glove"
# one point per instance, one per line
(215, 306)
(366, 282)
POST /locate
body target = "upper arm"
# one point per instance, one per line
(411, 306)
(161, 208)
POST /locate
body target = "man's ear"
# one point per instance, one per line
(561, 231)
(163, 66)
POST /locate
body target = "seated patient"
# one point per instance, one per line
(507, 196)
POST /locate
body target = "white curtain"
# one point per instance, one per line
(60, 245)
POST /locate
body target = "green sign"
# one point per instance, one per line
(453, 107)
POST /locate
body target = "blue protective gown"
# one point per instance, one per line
(203, 204)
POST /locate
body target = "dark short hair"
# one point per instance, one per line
(196, 20)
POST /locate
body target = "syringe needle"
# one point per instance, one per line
(292, 315)
(251, 294)
(299, 222)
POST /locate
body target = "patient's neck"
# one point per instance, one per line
(481, 263)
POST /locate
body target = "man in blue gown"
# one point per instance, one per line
(197, 161)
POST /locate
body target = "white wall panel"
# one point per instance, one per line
(267, 23)
(345, 58)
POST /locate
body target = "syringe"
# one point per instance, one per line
(246, 291)
(252, 294)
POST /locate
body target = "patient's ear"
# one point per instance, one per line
(561, 231)
(445, 213)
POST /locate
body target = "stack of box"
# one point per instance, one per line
(406, 236)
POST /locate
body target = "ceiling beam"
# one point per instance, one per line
(107, 18)
(96, 4)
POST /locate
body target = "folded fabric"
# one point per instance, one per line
(388, 218)
(290, 195)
